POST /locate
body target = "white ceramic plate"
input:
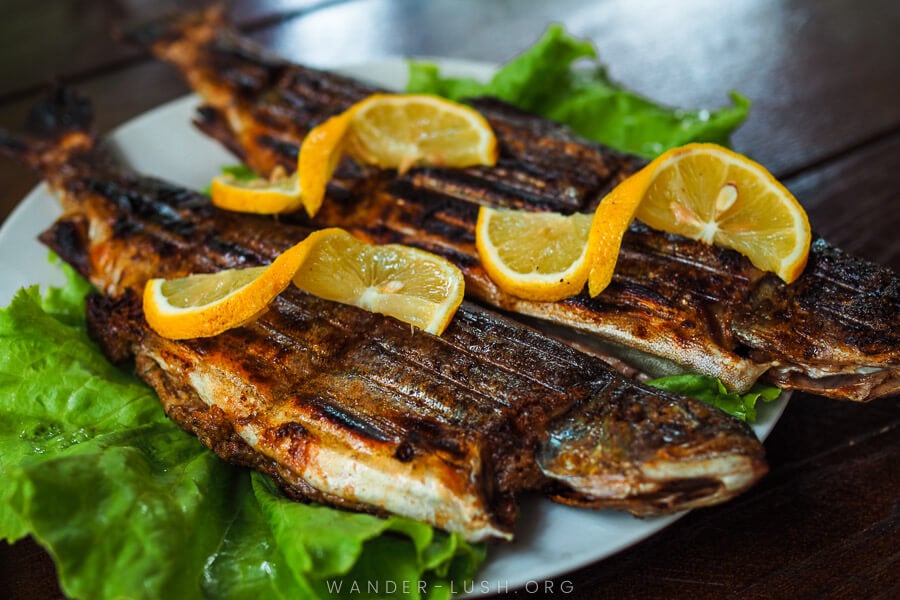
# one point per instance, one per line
(551, 539)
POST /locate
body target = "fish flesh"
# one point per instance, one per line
(674, 304)
(356, 409)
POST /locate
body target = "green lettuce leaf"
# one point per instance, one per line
(543, 80)
(66, 303)
(130, 506)
(712, 391)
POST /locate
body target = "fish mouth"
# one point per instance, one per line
(859, 384)
(666, 485)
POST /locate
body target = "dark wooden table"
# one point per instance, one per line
(824, 77)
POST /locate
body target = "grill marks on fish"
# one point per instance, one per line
(357, 409)
(704, 308)
(542, 167)
(330, 425)
(658, 301)
(659, 307)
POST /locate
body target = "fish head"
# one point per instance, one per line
(649, 452)
(834, 332)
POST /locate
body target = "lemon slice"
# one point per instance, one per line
(412, 285)
(709, 193)
(536, 256)
(400, 131)
(394, 131)
(205, 305)
(278, 194)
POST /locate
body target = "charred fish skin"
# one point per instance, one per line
(706, 309)
(357, 409)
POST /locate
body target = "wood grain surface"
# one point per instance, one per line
(824, 78)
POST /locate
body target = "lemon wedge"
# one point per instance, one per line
(708, 193)
(394, 131)
(701, 191)
(399, 131)
(412, 285)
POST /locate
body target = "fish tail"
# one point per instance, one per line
(173, 27)
(178, 36)
(58, 128)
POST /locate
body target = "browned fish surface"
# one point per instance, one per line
(835, 332)
(359, 410)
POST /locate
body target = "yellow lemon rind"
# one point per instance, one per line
(611, 219)
(320, 153)
(239, 307)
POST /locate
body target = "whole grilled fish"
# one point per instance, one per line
(356, 409)
(834, 332)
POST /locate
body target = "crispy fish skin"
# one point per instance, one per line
(360, 410)
(700, 308)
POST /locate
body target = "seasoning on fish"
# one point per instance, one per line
(355, 409)
(673, 303)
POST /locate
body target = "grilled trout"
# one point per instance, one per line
(356, 409)
(684, 304)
